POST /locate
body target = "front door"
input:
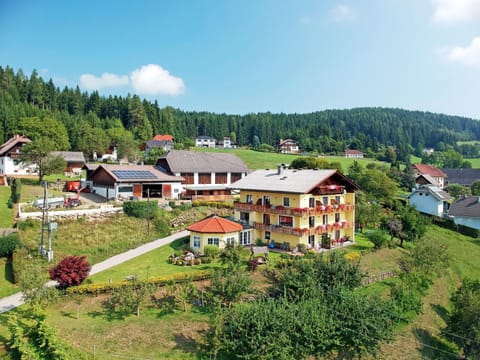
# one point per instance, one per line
(167, 191)
(137, 190)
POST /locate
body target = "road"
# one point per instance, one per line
(12, 301)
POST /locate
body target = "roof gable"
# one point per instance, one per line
(10, 143)
(182, 161)
(429, 170)
(215, 224)
(292, 181)
(468, 206)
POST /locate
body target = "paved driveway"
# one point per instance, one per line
(12, 301)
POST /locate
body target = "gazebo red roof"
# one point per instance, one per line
(215, 224)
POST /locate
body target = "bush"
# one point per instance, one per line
(20, 259)
(141, 209)
(16, 190)
(161, 227)
(8, 244)
(211, 251)
(70, 271)
(215, 204)
(378, 238)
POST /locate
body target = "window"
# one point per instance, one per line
(325, 219)
(245, 217)
(285, 221)
(337, 234)
(249, 199)
(267, 235)
(196, 242)
(311, 203)
(266, 219)
(325, 200)
(286, 201)
(127, 189)
(311, 240)
(230, 240)
(311, 221)
(245, 237)
(213, 241)
(337, 217)
(266, 200)
(338, 199)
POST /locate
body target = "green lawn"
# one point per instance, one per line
(6, 214)
(475, 163)
(263, 160)
(6, 279)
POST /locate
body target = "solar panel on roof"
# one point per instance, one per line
(134, 174)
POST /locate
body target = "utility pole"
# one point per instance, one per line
(148, 211)
(46, 226)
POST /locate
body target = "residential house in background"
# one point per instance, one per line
(436, 174)
(227, 143)
(122, 181)
(430, 199)
(163, 142)
(465, 177)
(109, 155)
(217, 231)
(353, 154)
(291, 207)
(207, 175)
(74, 159)
(10, 151)
(205, 141)
(466, 211)
(288, 146)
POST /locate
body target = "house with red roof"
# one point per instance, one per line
(423, 171)
(354, 154)
(217, 231)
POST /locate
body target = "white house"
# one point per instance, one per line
(10, 157)
(354, 154)
(466, 211)
(430, 200)
(205, 141)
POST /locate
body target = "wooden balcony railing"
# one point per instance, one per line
(319, 210)
(320, 229)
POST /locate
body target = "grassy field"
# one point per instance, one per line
(475, 163)
(263, 160)
(6, 214)
(156, 334)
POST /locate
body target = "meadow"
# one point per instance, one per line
(158, 333)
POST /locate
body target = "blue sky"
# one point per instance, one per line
(242, 56)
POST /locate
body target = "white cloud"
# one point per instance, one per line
(153, 79)
(342, 12)
(469, 55)
(107, 80)
(455, 11)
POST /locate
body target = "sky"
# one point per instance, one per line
(248, 56)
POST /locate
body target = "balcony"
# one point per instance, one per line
(320, 229)
(319, 210)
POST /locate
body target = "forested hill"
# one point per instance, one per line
(36, 107)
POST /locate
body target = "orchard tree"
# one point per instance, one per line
(38, 153)
(455, 190)
(464, 320)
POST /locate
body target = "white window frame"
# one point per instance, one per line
(197, 241)
(213, 241)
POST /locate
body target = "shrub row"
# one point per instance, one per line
(215, 204)
(140, 209)
(105, 287)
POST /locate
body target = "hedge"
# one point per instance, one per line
(105, 287)
(16, 190)
(140, 209)
(216, 204)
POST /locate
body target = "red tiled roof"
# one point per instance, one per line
(353, 152)
(215, 224)
(429, 170)
(163, 137)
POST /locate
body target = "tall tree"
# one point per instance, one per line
(38, 153)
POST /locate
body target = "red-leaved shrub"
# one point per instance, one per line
(70, 271)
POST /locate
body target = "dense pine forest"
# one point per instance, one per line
(88, 122)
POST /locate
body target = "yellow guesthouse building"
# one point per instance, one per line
(289, 207)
